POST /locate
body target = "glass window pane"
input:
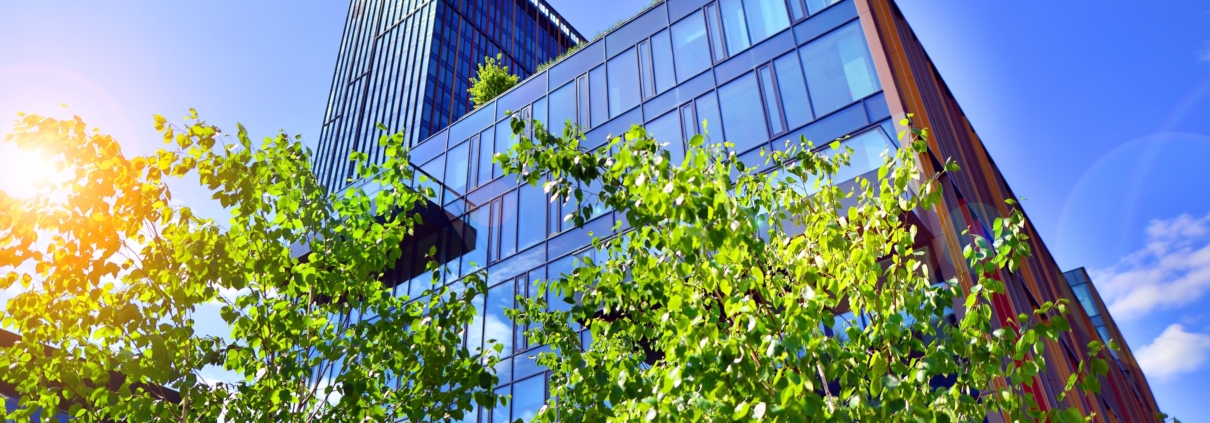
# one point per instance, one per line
(716, 32)
(504, 141)
(793, 91)
(497, 326)
(532, 216)
(528, 397)
(688, 128)
(582, 96)
(816, 5)
(708, 112)
(765, 18)
(435, 170)
(839, 69)
(456, 168)
(472, 233)
(501, 413)
(646, 74)
(508, 225)
(540, 113)
(562, 108)
(771, 103)
(661, 54)
(667, 129)
(690, 46)
(623, 82)
(487, 145)
(743, 114)
(474, 330)
(796, 10)
(597, 96)
(735, 26)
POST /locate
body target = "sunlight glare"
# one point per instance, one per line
(23, 171)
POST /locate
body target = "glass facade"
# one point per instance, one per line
(407, 64)
(731, 69)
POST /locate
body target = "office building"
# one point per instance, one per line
(407, 64)
(759, 72)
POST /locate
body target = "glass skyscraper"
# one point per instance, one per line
(759, 72)
(407, 64)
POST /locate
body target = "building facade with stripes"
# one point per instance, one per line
(407, 64)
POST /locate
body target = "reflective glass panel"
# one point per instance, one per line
(508, 224)
(472, 234)
(708, 112)
(646, 73)
(793, 91)
(667, 129)
(796, 10)
(734, 25)
(562, 108)
(528, 397)
(691, 46)
(497, 326)
(532, 216)
(623, 82)
(487, 145)
(661, 55)
(716, 32)
(743, 115)
(771, 103)
(765, 18)
(839, 69)
(816, 5)
(540, 113)
(456, 168)
(598, 96)
(582, 101)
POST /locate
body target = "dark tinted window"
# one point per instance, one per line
(743, 115)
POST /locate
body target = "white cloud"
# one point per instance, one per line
(1173, 353)
(1171, 270)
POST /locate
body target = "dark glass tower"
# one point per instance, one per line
(407, 64)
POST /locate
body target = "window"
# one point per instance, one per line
(623, 83)
(458, 161)
(765, 18)
(688, 127)
(582, 100)
(839, 69)
(743, 115)
(506, 217)
(793, 91)
(540, 113)
(816, 5)
(661, 54)
(769, 88)
(708, 112)
(532, 216)
(797, 11)
(597, 96)
(734, 25)
(690, 46)
(472, 232)
(667, 129)
(434, 169)
(497, 326)
(562, 108)
(646, 73)
(528, 397)
(716, 32)
(487, 145)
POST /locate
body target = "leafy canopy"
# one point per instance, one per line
(115, 278)
(714, 306)
(490, 81)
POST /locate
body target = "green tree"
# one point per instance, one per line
(712, 307)
(491, 80)
(113, 278)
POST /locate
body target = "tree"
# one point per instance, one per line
(714, 306)
(114, 276)
(491, 80)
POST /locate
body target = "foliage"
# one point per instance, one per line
(114, 277)
(491, 80)
(713, 307)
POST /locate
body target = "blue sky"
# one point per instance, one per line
(1098, 116)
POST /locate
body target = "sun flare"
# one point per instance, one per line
(23, 171)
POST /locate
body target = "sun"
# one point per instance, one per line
(23, 171)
